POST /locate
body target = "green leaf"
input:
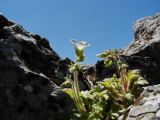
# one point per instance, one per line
(108, 52)
(141, 81)
(106, 83)
(124, 66)
(95, 116)
(115, 51)
(74, 67)
(101, 55)
(115, 115)
(108, 62)
(131, 79)
(79, 55)
(129, 99)
(69, 92)
(66, 84)
(135, 71)
(119, 62)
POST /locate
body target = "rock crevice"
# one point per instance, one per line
(31, 72)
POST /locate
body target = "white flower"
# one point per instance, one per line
(80, 45)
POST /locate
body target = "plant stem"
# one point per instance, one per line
(122, 72)
(79, 101)
(124, 82)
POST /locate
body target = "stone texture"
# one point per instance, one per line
(148, 108)
(30, 72)
(147, 116)
(143, 53)
(97, 72)
(138, 110)
(146, 45)
(146, 41)
(158, 114)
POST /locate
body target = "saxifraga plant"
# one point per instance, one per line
(125, 89)
(79, 48)
(112, 58)
(127, 78)
(108, 99)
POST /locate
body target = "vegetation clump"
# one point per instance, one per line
(108, 99)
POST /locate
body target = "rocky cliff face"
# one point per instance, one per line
(31, 72)
(148, 106)
(146, 45)
(143, 54)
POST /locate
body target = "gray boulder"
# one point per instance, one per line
(148, 106)
(29, 74)
(146, 46)
(143, 53)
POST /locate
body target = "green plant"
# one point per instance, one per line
(112, 58)
(109, 98)
(123, 90)
(127, 79)
(78, 47)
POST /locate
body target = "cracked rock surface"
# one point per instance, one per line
(30, 72)
(148, 108)
(143, 54)
(146, 45)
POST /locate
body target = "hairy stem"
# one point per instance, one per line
(78, 101)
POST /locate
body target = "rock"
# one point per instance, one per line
(98, 72)
(28, 76)
(146, 41)
(143, 54)
(146, 45)
(31, 72)
(139, 110)
(148, 68)
(139, 54)
(158, 114)
(148, 107)
(147, 116)
(4, 22)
